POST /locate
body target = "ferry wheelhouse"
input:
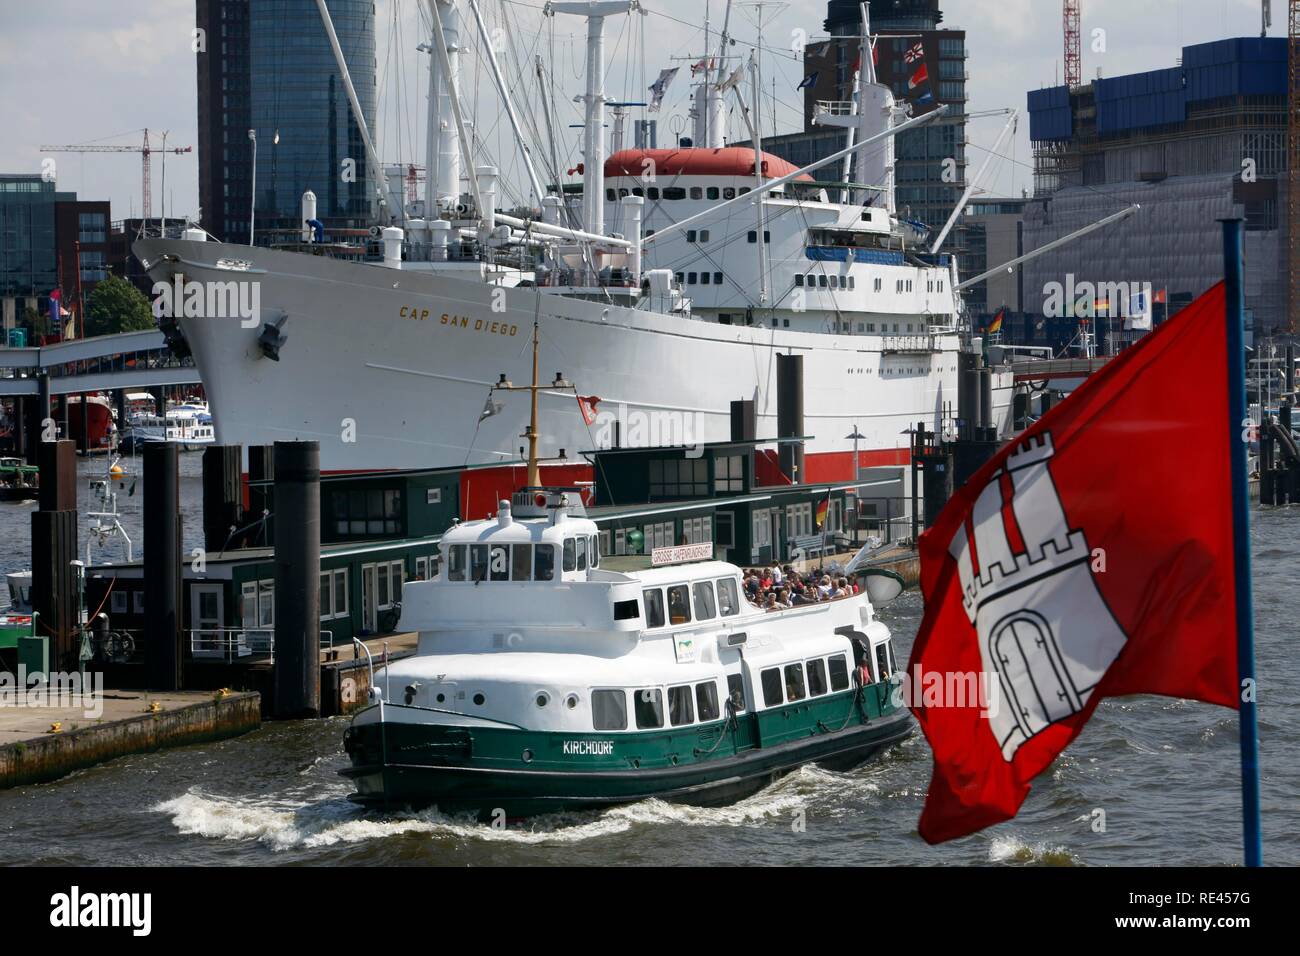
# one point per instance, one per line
(545, 680)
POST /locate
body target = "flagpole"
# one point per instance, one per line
(1237, 439)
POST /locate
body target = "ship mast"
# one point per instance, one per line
(534, 389)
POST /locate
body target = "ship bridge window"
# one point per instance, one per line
(582, 553)
(681, 709)
(728, 599)
(544, 562)
(478, 562)
(794, 685)
(521, 562)
(648, 705)
(654, 607)
(884, 660)
(679, 605)
(674, 192)
(456, 563)
(570, 554)
(697, 192)
(705, 606)
(609, 710)
(839, 669)
(771, 679)
(736, 692)
(499, 562)
(816, 677)
(706, 701)
(593, 551)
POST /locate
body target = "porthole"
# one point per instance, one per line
(528, 756)
(543, 699)
(442, 698)
(571, 701)
(478, 699)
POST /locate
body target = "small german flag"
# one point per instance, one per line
(995, 324)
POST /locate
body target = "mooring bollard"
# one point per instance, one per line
(297, 579)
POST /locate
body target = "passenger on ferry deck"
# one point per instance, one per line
(777, 576)
(783, 598)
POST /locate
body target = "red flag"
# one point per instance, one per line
(588, 403)
(920, 76)
(1077, 565)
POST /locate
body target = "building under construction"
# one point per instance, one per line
(1191, 143)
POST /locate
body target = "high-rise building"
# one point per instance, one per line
(268, 67)
(1191, 144)
(29, 267)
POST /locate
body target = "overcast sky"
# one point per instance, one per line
(76, 71)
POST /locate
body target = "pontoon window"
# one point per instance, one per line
(728, 602)
(608, 710)
(478, 562)
(706, 700)
(570, 555)
(772, 696)
(521, 562)
(582, 553)
(544, 562)
(499, 562)
(648, 704)
(654, 607)
(704, 604)
(816, 678)
(456, 563)
(680, 709)
(794, 685)
(736, 692)
(679, 605)
(839, 669)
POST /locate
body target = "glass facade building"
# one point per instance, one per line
(28, 263)
(269, 68)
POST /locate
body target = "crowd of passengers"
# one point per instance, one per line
(780, 587)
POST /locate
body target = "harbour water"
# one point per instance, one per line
(1163, 772)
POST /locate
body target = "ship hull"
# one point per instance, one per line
(400, 766)
(392, 368)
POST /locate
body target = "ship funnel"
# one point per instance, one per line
(503, 514)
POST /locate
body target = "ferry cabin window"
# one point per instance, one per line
(654, 607)
(821, 281)
(582, 553)
(794, 685)
(816, 678)
(499, 562)
(679, 605)
(772, 687)
(882, 661)
(706, 701)
(521, 562)
(626, 610)
(648, 705)
(728, 600)
(705, 607)
(570, 555)
(736, 692)
(608, 710)
(544, 562)
(593, 551)
(478, 562)
(839, 669)
(456, 563)
(681, 710)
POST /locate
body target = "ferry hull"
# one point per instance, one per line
(417, 771)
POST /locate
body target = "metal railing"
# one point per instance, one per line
(231, 643)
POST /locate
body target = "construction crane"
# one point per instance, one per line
(1293, 167)
(1073, 44)
(145, 151)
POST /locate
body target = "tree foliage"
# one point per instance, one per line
(117, 306)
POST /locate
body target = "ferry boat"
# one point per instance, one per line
(19, 481)
(545, 681)
(16, 618)
(188, 424)
(671, 290)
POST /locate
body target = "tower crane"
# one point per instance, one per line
(145, 151)
(1073, 43)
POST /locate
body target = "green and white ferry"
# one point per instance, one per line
(546, 681)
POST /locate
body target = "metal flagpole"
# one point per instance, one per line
(1237, 444)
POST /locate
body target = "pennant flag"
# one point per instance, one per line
(704, 64)
(1060, 574)
(922, 75)
(490, 408)
(809, 80)
(913, 55)
(733, 80)
(587, 404)
(659, 87)
(56, 320)
(926, 97)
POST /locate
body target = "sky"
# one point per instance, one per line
(81, 71)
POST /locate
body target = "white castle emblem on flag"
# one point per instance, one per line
(1044, 629)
